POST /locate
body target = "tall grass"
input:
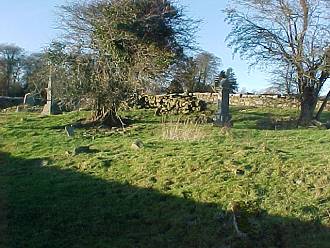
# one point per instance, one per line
(184, 130)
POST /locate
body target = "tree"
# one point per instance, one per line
(285, 32)
(3, 81)
(284, 80)
(207, 68)
(36, 73)
(184, 78)
(196, 73)
(127, 43)
(231, 78)
(11, 57)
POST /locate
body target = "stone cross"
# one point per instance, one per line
(50, 106)
(223, 117)
(29, 99)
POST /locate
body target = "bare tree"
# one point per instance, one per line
(196, 73)
(207, 68)
(185, 76)
(36, 73)
(11, 57)
(292, 32)
(284, 80)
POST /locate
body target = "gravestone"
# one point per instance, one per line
(137, 144)
(69, 130)
(29, 99)
(223, 117)
(50, 107)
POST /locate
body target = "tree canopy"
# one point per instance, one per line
(127, 43)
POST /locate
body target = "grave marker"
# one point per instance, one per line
(223, 117)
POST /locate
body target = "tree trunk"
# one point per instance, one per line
(107, 117)
(308, 105)
(318, 115)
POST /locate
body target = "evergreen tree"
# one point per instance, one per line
(230, 76)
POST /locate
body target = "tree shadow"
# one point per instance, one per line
(277, 123)
(53, 207)
(325, 116)
(262, 120)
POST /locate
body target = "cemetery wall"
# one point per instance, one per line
(170, 103)
(274, 101)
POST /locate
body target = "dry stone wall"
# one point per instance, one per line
(274, 101)
(176, 104)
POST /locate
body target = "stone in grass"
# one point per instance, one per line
(69, 130)
(81, 149)
(239, 172)
(137, 144)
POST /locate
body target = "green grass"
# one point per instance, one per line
(170, 193)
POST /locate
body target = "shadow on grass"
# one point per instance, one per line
(325, 116)
(279, 123)
(53, 207)
(247, 119)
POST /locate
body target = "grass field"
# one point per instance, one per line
(269, 179)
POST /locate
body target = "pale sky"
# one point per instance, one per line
(31, 24)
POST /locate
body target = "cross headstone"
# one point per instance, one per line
(29, 99)
(223, 117)
(50, 108)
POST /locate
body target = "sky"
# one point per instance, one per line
(31, 24)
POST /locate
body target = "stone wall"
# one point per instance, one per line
(274, 101)
(6, 102)
(171, 103)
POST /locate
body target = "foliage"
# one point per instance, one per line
(129, 44)
(228, 75)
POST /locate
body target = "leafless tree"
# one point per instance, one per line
(11, 57)
(284, 80)
(289, 32)
(208, 67)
